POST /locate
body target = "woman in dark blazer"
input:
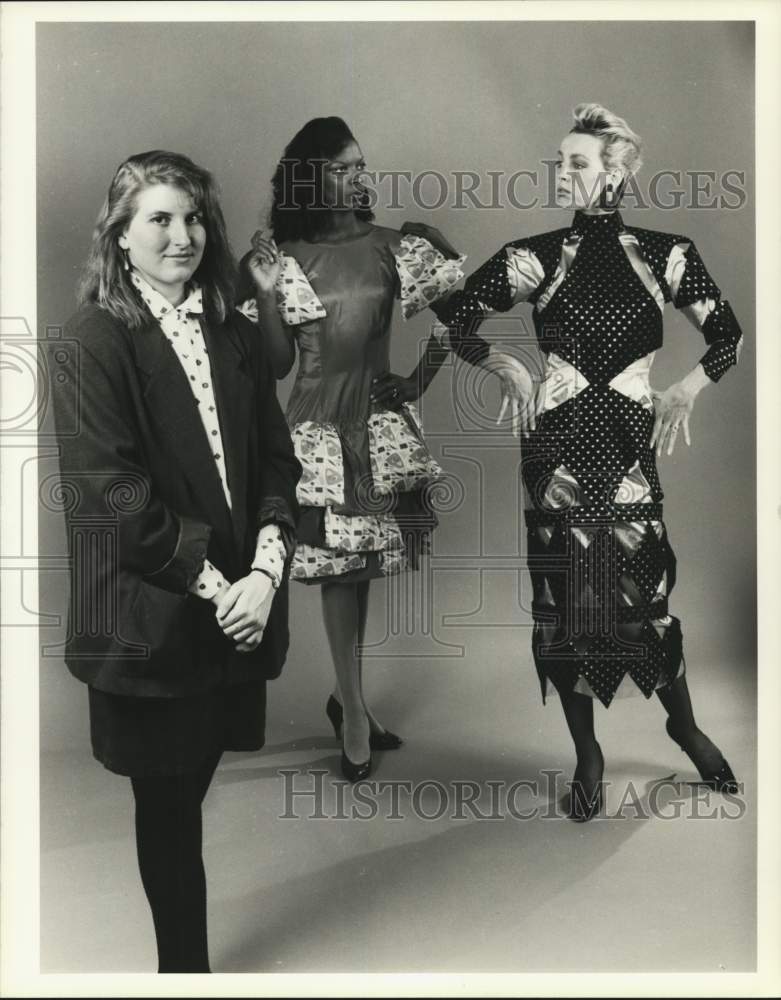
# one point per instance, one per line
(179, 480)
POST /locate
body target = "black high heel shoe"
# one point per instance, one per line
(377, 741)
(583, 807)
(355, 772)
(721, 780)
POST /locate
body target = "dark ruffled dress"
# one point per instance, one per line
(366, 509)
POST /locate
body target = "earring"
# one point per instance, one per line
(126, 255)
(607, 198)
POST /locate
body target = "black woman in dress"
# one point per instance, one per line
(326, 284)
(181, 520)
(601, 563)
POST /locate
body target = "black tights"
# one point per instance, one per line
(169, 842)
(579, 713)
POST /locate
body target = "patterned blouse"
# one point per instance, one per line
(182, 329)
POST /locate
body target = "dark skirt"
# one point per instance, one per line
(600, 601)
(142, 737)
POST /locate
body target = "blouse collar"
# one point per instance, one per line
(608, 224)
(159, 305)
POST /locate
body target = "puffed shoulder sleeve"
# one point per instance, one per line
(297, 301)
(425, 275)
(694, 292)
(511, 276)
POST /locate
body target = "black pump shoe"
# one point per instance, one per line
(355, 772)
(377, 741)
(721, 780)
(583, 807)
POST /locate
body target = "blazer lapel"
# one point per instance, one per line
(174, 410)
(233, 393)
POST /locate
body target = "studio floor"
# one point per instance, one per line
(439, 888)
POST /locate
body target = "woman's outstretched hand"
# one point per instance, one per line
(673, 409)
(390, 392)
(518, 391)
(263, 262)
(435, 238)
(243, 611)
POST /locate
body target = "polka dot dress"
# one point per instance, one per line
(182, 330)
(601, 567)
(600, 319)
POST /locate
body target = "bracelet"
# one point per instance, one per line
(268, 573)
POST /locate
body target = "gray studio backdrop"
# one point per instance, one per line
(473, 97)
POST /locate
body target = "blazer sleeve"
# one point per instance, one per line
(279, 468)
(102, 468)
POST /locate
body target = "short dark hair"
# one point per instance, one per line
(297, 184)
(105, 280)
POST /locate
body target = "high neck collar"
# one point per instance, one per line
(159, 305)
(608, 224)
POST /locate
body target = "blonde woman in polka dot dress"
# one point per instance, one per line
(601, 564)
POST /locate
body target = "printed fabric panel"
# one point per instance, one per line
(319, 450)
(400, 458)
(425, 275)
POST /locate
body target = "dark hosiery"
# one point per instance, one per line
(683, 729)
(169, 846)
(579, 713)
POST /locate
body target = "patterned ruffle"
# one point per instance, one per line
(319, 450)
(313, 563)
(400, 459)
(399, 456)
(361, 533)
(425, 275)
(297, 301)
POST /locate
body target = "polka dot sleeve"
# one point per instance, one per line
(695, 293)
(509, 277)
(209, 583)
(270, 551)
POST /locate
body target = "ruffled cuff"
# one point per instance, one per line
(296, 299)
(425, 275)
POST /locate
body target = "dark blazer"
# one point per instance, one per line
(145, 505)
